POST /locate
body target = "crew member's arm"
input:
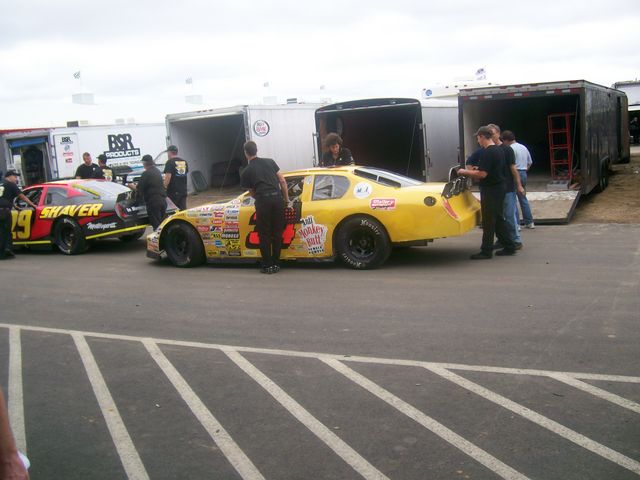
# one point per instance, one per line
(477, 174)
(11, 466)
(24, 198)
(516, 178)
(167, 179)
(283, 187)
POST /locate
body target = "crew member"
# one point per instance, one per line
(88, 169)
(104, 171)
(490, 172)
(151, 189)
(336, 154)
(269, 187)
(175, 178)
(9, 190)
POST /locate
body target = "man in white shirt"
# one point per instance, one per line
(523, 164)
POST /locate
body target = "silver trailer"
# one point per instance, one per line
(404, 135)
(211, 140)
(574, 130)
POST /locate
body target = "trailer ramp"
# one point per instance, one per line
(551, 207)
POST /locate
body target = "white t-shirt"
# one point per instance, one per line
(523, 157)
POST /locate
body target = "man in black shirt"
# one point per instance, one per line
(490, 172)
(88, 169)
(269, 187)
(336, 154)
(9, 190)
(151, 190)
(103, 171)
(175, 178)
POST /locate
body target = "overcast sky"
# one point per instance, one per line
(135, 55)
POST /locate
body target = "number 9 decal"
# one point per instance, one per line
(21, 224)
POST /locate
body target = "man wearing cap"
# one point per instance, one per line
(490, 173)
(88, 169)
(103, 171)
(9, 190)
(151, 188)
(175, 178)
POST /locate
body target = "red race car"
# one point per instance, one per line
(71, 213)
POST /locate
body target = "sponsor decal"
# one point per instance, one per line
(313, 234)
(192, 214)
(203, 228)
(261, 128)
(382, 203)
(121, 146)
(218, 243)
(205, 236)
(231, 225)
(232, 211)
(134, 209)
(249, 253)
(86, 210)
(101, 226)
(230, 235)
(233, 248)
(203, 221)
(362, 190)
(218, 214)
(205, 214)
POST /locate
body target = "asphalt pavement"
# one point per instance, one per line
(434, 366)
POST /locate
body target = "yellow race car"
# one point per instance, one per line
(356, 213)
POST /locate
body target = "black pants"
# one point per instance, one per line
(493, 222)
(6, 242)
(179, 199)
(157, 210)
(270, 225)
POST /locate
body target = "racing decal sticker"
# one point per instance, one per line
(203, 228)
(382, 203)
(313, 234)
(100, 227)
(261, 128)
(233, 248)
(86, 210)
(21, 224)
(249, 253)
(362, 190)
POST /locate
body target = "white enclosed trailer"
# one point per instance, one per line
(211, 140)
(121, 144)
(415, 138)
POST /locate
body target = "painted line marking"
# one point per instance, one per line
(128, 454)
(475, 452)
(335, 443)
(598, 392)
(15, 400)
(214, 428)
(343, 358)
(541, 420)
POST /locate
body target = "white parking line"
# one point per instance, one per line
(475, 452)
(15, 400)
(348, 454)
(214, 428)
(128, 454)
(598, 392)
(541, 420)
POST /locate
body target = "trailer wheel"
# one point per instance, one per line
(603, 181)
(183, 245)
(362, 243)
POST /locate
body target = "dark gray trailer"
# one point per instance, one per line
(574, 130)
(415, 138)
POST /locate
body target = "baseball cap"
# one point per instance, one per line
(147, 159)
(172, 148)
(11, 172)
(102, 157)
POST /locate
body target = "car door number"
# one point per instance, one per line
(21, 225)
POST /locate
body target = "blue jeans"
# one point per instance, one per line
(510, 216)
(527, 218)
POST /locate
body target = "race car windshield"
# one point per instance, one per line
(101, 189)
(385, 177)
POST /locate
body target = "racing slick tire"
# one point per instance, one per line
(362, 243)
(68, 236)
(183, 245)
(132, 236)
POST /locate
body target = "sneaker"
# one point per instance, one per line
(480, 256)
(9, 254)
(498, 245)
(266, 270)
(274, 269)
(517, 246)
(530, 225)
(504, 252)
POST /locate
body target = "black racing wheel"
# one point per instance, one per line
(183, 245)
(362, 243)
(68, 236)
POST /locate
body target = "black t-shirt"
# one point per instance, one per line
(150, 185)
(178, 168)
(261, 176)
(492, 162)
(8, 192)
(509, 159)
(344, 158)
(88, 171)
